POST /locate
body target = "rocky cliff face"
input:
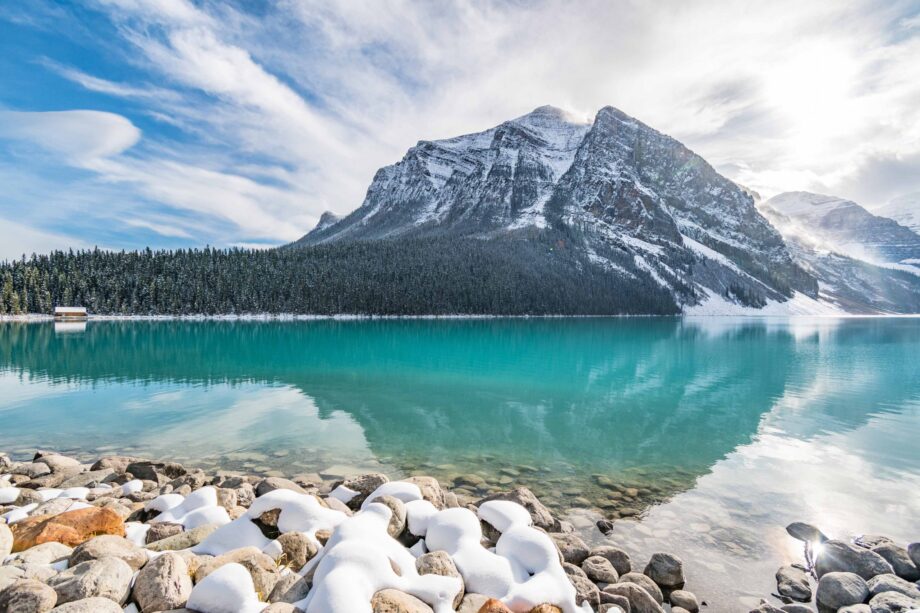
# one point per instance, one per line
(611, 193)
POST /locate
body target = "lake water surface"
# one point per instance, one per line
(717, 432)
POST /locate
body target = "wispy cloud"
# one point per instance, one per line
(254, 123)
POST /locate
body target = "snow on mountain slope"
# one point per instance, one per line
(904, 209)
(835, 224)
(849, 275)
(611, 193)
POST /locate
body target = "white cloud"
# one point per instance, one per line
(17, 239)
(290, 112)
(80, 136)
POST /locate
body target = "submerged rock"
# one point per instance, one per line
(792, 582)
(806, 533)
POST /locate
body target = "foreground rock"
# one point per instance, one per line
(105, 578)
(214, 543)
(71, 528)
(836, 590)
(837, 556)
(165, 583)
(28, 595)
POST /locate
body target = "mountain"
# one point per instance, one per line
(612, 193)
(904, 209)
(847, 228)
(863, 262)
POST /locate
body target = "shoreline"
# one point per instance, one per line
(257, 317)
(161, 533)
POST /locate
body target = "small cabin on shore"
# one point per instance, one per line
(68, 313)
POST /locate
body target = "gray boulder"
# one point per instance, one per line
(291, 587)
(665, 570)
(165, 583)
(571, 546)
(837, 556)
(600, 570)
(792, 582)
(10, 575)
(838, 589)
(893, 583)
(109, 545)
(28, 595)
(616, 556)
(900, 561)
(46, 553)
(640, 601)
(88, 605)
(646, 583)
(913, 552)
(806, 533)
(855, 608)
(685, 600)
(106, 577)
(585, 590)
(892, 602)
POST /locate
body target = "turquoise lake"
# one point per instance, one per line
(705, 437)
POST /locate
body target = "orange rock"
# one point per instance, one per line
(494, 606)
(70, 528)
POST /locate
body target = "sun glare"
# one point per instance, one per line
(812, 89)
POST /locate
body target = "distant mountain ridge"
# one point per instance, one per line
(848, 227)
(627, 198)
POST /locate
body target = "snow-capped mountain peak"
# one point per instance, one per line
(610, 193)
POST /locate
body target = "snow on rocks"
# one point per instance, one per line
(228, 589)
(217, 544)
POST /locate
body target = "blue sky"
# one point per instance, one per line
(128, 123)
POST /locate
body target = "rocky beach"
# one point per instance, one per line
(122, 533)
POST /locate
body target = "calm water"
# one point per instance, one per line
(718, 431)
